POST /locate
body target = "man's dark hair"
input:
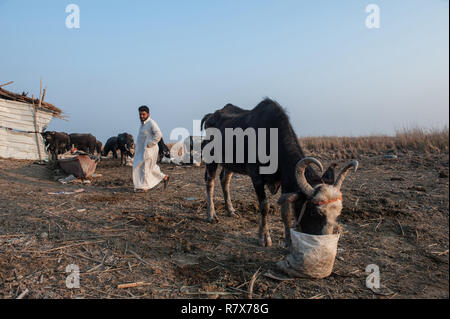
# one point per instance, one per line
(144, 108)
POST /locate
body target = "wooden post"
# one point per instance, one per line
(36, 126)
(43, 95)
(40, 95)
(10, 82)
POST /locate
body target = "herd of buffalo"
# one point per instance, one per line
(313, 200)
(58, 143)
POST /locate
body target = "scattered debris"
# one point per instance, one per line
(67, 180)
(268, 274)
(68, 193)
(382, 291)
(133, 285)
(23, 294)
(440, 253)
(252, 283)
(184, 260)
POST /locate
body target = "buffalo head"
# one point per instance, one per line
(49, 137)
(318, 213)
(126, 142)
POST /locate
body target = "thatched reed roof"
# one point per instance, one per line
(7, 95)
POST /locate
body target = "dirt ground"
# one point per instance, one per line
(396, 216)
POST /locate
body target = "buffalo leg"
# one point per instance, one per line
(54, 155)
(286, 215)
(225, 178)
(263, 233)
(210, 176)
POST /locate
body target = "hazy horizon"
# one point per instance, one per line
(335, 76)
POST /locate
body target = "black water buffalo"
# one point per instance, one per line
(84, 142)
(56, 143)
(163, 150)
(314, 200)
(125, 143)
(111, 146)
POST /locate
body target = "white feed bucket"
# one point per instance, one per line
(311, 255)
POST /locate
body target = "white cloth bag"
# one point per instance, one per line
(311, 255)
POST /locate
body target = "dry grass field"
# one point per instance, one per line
(434, 141)
(395, 215)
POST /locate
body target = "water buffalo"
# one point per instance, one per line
(84, 142)
(56, 143)
(111, 146)
(316, 201)
(126, 146)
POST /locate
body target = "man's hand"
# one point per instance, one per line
(149, 145)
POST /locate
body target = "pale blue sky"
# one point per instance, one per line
(187, 58)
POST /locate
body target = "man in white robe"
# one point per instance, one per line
(146, 172)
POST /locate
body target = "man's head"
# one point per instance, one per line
(144, 113)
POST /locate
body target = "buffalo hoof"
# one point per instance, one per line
(265, 241)
(213, 219)
(232, 213)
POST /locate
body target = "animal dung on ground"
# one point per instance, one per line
(311, 255)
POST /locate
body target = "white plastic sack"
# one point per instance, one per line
(180, 154)
(166, 160)
(310, 255)
(129, 161)
(196, 150)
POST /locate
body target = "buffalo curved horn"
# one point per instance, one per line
(305, 187)
(344, 172)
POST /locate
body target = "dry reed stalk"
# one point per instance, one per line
(252, 283)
